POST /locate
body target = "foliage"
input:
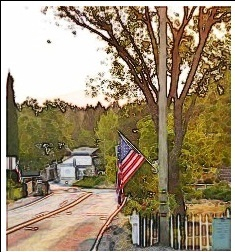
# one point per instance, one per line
(129, 115)
(47, 132)
(106, 134)
(219, 191)
(191, 193)
(148, 141)
(13, 190)
(12, 148)
(146, 207)
(207, 145)
(12, 175)
(110, 167)
(142, 189)
(172, 203)
(90, 182)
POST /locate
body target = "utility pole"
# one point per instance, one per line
(162, 132)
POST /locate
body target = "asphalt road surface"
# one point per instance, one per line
(71, 230)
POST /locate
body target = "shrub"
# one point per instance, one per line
(17, 193)
(220, 191)
(145, 206)
(90, 182)
(14, 190)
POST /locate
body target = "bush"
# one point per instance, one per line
(193, 194)
(17, 193)
(220, 191)
(144, 206)
(14, 190)
(90, 182)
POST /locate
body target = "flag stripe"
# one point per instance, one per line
(127, 160)
(131, 172)
(132, 164)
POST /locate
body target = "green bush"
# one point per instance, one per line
(14, 190)
(90, 182)
(17, 193)
(193, 194)
(144, 206)
(220, 191)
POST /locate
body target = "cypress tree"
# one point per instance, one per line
(11, 120)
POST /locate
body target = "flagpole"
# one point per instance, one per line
(135, 148)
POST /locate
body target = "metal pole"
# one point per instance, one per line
(162, 134)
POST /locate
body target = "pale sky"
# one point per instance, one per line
(56, 70)
(42, 70)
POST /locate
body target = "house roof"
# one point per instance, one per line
(84, 151)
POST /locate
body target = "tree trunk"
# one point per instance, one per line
(174, 169)
(174, 181)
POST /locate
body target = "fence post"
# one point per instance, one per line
(134, 220)
(207, 234)
(200, 230)
(186, 231)
(193, 232)
(178, 231)
(151, 231)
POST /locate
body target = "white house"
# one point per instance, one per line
(78, 165)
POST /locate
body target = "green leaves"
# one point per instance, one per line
(208, 140)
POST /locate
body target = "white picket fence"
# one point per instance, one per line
(191, 232)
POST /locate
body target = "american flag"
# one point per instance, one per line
(129, 160)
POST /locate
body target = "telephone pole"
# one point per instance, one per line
(162, 133)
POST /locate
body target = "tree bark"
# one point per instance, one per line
(174, 181)
(174, 169)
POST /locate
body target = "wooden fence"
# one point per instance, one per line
(191, 232)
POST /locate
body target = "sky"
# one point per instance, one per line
(43, 70)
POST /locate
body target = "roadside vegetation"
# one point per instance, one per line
(92, 182)
(97, 127)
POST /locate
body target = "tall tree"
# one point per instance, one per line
(132, 38)
(12, 117)
(106, 140)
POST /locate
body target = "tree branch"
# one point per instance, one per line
(188, 113)
(138, 52)
(176, 59)
(139, 16)
(152, 38)
(205, 26)
(76, 21)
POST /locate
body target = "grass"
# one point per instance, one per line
(91, 182)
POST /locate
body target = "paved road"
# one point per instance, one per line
(71, 230)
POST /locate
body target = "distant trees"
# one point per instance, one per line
(207, 143)
(47, 132)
